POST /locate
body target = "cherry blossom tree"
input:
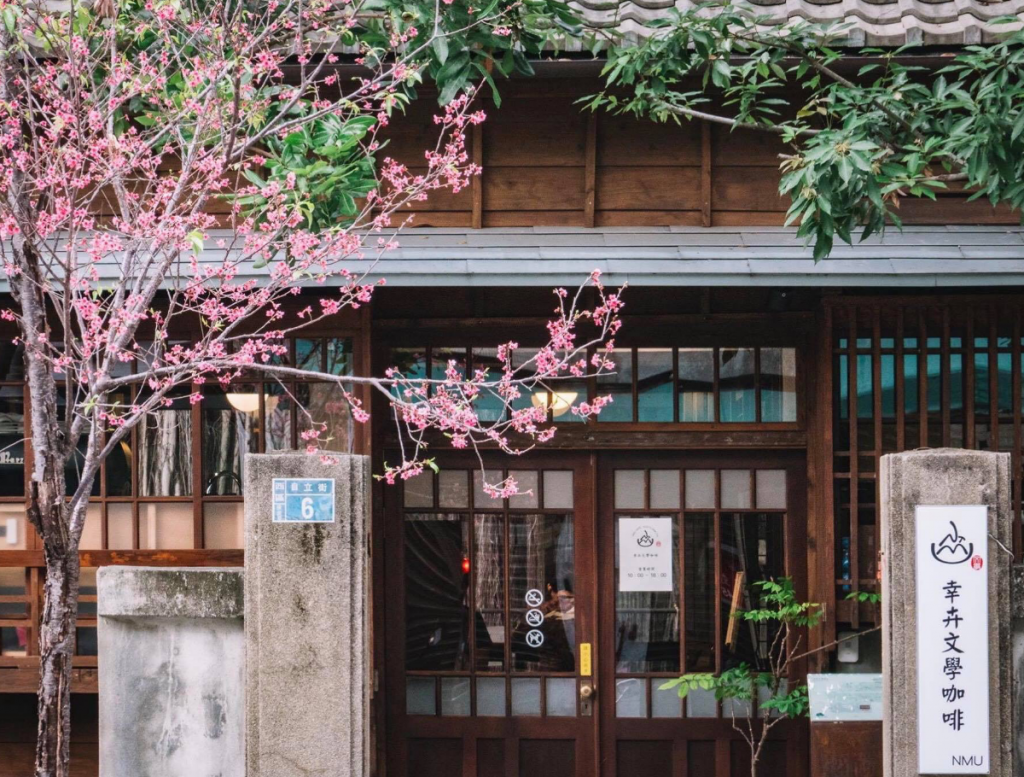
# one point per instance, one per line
(122, 126)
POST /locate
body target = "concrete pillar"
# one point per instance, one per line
(172, 672)
(1017, 600)
(306, 624)
(941, 477)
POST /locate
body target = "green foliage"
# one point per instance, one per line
(861, 141)
(868, 597)
(765, 689)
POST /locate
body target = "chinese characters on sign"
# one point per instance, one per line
(645, 554)
(952, 639)
(303, 500)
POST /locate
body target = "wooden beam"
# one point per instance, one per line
(590, 172)
(478, 181)
(705, 173)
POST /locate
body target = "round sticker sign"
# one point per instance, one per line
(534, 617)
(534, 638)
(534, 597)
(977, 563)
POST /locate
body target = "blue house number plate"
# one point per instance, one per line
(303, 500)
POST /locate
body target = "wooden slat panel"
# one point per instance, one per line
(647, 188)
(748, 149)
(746, 189)
(648, 218)
(629, 141)
(534, 188)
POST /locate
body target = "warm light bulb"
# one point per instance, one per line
(244, 402)
(558, 402)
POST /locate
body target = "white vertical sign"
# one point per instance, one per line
(645, 554)
(952, 639)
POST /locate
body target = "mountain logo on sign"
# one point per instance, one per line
(645, 540)
(953, 549)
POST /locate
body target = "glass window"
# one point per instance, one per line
(165, 454)
(542, 559)
(339, 356)
(120, 522)
(696, 385)
(736, 385)
(489, 619)
(436, 592)
(489, 406)
(230, 430)
(778, 384)
(654, 385)
(440, 358)
(699, 590)
(752, 550)
(308, 354)
(647, 622)
(224, 525)
(12, 440)
(323, 406)
(277, 408)
(618, 384)
(165, 525)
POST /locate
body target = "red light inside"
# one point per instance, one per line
(465, 566)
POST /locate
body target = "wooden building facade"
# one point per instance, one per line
(754, 394)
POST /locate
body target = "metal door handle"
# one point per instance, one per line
(586, 691)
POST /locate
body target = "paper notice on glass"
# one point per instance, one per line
(645, 554)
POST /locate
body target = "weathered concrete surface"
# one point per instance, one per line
(1017, 601)
(306, 600)
(943, 476)
(172, 670)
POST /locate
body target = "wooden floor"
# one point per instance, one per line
(18, 731)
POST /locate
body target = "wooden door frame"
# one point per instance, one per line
(796, 733)
(395, 735)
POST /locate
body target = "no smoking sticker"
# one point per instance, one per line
(534, 597)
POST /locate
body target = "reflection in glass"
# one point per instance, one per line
(752, 550)
(453, 488)
(12, 440)
(339, 356)
(440, 358)
(165, 453)
(700, 489)
(647, 622)
(736, 489)
(736, 385)
(778, 384)
(489, 559)
(489, 407)
(419, 490)
(436, 591)
(277, 408)
(558, 489)
(323, 406)
(455, 696)
(542, 559)
(630, 697)
(228, 434)
(619, 384)
(664, 489)
(92, 532)
(654, 384)
(696, 385)
(699, 588)
(528, 482)
(307, 354)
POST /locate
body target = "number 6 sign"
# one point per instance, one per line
(303, 500)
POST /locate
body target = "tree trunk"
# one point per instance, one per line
(56, 647)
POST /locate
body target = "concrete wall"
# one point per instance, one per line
(943, 476)
(172, 672)
(306, 623)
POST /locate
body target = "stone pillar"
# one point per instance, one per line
(172, 672)
(306, 624)
(1017, 600)
(941, 477)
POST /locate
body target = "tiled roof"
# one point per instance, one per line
(871, 22)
